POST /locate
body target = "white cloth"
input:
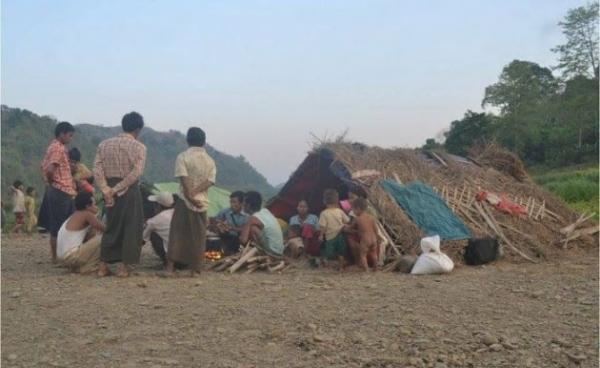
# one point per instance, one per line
(68, 240)
(18, 199)
(160, 224)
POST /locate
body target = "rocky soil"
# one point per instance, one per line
(500, 315)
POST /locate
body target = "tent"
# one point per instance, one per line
(218, 197)
(456, 180)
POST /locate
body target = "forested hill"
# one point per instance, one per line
(25, 137)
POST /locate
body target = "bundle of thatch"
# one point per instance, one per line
(500, 159)
(457, 180)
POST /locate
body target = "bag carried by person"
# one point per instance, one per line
(481, 251)
(432, 260)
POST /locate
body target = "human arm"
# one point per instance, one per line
(93, 221)
(247, 229)
(100, 178)
(323, 226)
(138, 157)
(186, 186)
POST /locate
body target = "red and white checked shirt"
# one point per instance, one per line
(62, 178)
(119, 157)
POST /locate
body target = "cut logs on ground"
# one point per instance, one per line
(250, 259)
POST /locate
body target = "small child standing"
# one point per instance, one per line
(294, 247)
(30, 217)
(18, 200)
(331, 222)
(367, 232)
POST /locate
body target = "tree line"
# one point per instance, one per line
(547, 119)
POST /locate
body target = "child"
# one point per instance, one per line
(82, 176)
(31, 218)
(18, 199)
(367, 252)
(331, 223)
(294, 247)
(309, 225)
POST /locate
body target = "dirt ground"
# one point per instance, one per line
(500, 315)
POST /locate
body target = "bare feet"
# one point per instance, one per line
(103, 270)
(123, 270)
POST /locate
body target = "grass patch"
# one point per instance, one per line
(576, 186)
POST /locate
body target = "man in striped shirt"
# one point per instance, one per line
(57, 204)
(118, 167)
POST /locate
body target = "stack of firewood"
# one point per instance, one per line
(250, 259)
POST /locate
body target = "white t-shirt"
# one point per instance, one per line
(18, 201)
(67, 240)
(160, 224)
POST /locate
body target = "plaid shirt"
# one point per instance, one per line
(119, 157)
(62, 178)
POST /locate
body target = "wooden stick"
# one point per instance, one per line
(491, 223)
(570, 228)
(243, 259)
(439, 159)
(586, 231)
(280, 266)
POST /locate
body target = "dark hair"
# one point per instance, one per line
(82, 200)
(132, 122)
(74, 154)
(253, 200)
(90, 179)
(305, 201)
(331, 196)
(62, 128)
(296, 229)
(359, 203)
(30, 190)
(17, 183)
(358, 191)
(237, 194)
(196, 137)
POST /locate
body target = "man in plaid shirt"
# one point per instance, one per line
(57, 204)
(118, 167)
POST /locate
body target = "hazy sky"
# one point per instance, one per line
(260, 76)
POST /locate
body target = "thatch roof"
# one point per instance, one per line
(456, 179)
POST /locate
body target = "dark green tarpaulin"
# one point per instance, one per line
(427, 210)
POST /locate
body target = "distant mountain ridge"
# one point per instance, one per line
(26, 135)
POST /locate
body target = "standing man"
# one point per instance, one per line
(57, 204)
(197, 172)
(118, 166)
(230, 222)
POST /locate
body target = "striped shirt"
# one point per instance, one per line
(62, 178)
(121, 157)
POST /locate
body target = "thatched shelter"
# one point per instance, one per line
(534, 236)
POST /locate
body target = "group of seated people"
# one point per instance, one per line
(344, 231)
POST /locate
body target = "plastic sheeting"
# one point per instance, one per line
(427, 210)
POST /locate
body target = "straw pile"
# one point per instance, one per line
(495, 156)
(532, 237)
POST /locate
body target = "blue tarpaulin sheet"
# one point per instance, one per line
(427, 210)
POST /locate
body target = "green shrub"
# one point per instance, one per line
(576, 189)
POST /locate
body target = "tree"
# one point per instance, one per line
(522, 85)
(579, 55)
(471, 129)
(431, 144)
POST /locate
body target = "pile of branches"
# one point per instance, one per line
(250, 259)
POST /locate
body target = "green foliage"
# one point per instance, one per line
(579, 56)
(471, 129)
(25, 138)
(522, 86)
(577, 187)
(431, 144)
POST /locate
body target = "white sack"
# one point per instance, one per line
(432, 260)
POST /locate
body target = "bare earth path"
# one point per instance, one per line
(502, 315)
